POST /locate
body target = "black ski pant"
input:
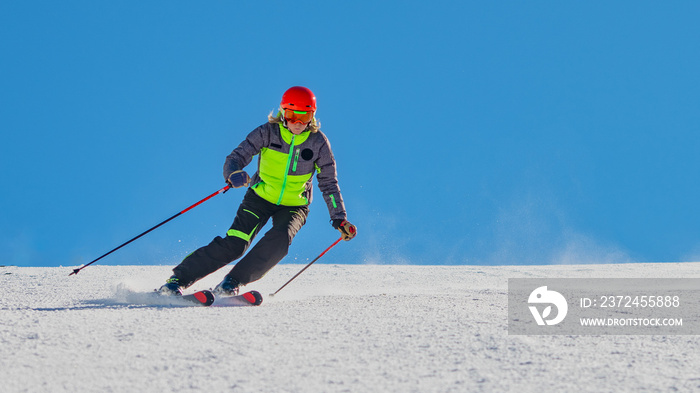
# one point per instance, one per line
(252, 215)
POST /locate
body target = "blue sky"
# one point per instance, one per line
(465, 132)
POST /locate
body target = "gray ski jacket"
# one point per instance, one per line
(286, 165)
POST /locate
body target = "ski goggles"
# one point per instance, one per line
(292, 116)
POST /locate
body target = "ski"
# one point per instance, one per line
(202, 298)
(206, 298)
(252, 298)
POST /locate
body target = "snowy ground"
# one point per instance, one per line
(336, 328)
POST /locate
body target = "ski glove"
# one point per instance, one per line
(238, 179)
(347, 230)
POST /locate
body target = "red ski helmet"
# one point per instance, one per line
(299, 98)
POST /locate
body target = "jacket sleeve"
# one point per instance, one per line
(241, 156)
(328, 182)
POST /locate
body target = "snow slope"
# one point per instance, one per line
(336, 328)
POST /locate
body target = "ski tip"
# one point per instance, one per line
(200, 296)
(253, 297)
(205, 297)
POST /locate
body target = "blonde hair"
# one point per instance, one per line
(314, 126)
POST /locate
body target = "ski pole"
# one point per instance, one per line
(221, 191)
(307, 266)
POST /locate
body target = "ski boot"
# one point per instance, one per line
(171, 287)
(227, 287)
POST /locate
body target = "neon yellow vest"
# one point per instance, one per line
(280, 183)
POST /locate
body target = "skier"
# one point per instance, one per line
(291, 148)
